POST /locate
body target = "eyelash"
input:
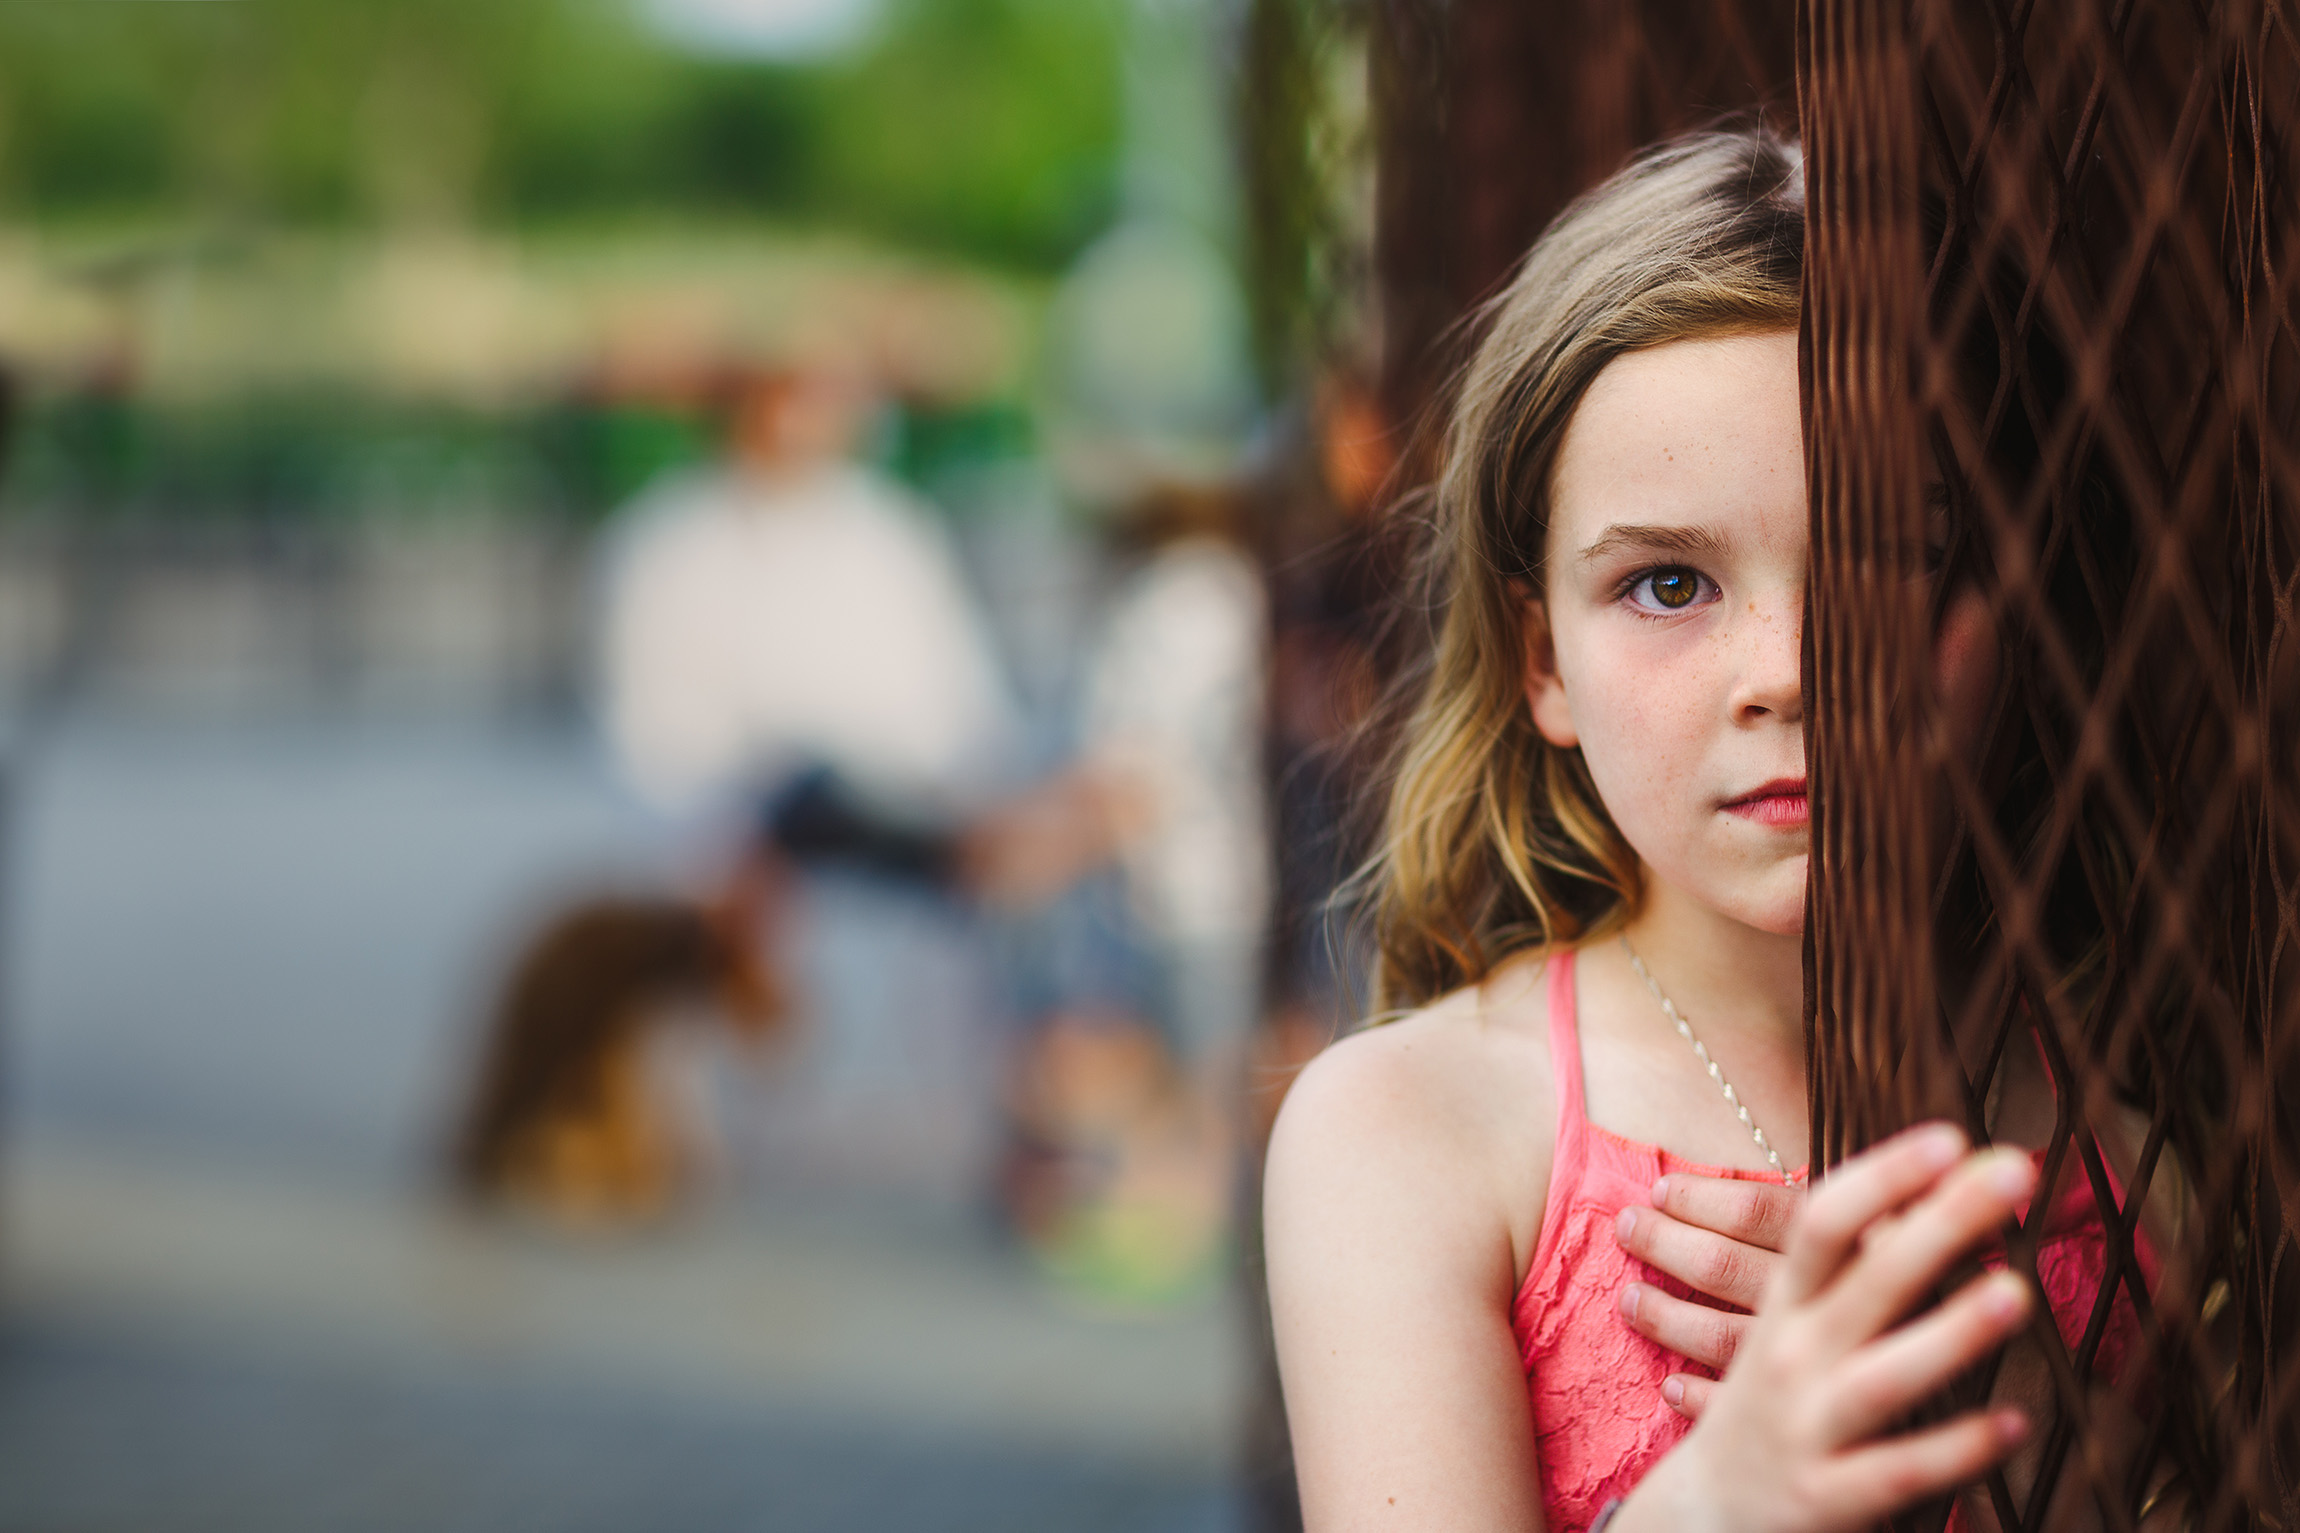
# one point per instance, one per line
(1704, 592)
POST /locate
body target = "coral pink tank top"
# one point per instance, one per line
(1599, 1421)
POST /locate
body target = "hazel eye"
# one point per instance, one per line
(1671, 589)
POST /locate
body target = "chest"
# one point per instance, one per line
(1644, 1082)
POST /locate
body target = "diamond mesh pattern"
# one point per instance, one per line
(2050, 338)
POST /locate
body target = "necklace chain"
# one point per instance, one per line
(1685, 1031)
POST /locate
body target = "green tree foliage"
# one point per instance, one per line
(985, 128)
(1302, 136)
(995, 120)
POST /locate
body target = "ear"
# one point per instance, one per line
(1544, 692)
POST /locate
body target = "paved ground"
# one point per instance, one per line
(243, 962)
(103, 1432)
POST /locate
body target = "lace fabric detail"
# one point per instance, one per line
(1599, 1422)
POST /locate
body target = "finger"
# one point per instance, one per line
(1708, 1263)
(1878, 1229)
(1888, 1378)
(1898, 1268)
(1869, 1484)
(1871, 1184)
(1687, 1394)
(1703, 1334)
(1754, 1213)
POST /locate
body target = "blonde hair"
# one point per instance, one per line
(1493, 839)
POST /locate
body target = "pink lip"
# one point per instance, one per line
(1780, 802)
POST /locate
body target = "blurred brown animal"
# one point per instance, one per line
(565, 1120)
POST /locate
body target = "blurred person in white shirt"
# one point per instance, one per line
(788, 637)
(791, 609)
(1174, 710)
(1133, 1088)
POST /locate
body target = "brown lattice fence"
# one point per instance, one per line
(2049, 342)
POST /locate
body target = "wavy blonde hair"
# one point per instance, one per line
(1493, 839)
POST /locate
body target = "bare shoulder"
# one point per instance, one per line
(1448, 1108)
(1405, 1181)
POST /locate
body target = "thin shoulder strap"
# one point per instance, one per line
(1570, 1158)
(1565, 1045)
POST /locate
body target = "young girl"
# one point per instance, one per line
(1500, 1228)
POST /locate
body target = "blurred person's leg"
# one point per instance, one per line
(1129, 1103)
(1095, 1098)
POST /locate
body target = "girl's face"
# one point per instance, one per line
(1668, 641)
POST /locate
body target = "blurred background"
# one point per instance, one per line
(681, 686)
(666, 678)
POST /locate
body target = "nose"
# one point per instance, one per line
(1770, 639)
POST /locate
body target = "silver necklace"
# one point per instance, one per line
(1685, 1031)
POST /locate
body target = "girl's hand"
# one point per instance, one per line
(1794, 1438)
(1720, 1237)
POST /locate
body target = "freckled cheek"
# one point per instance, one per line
(1641, 733)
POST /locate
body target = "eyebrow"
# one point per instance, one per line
(1664, 540)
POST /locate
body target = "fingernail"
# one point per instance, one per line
(1629, 1303)
(1673, 1390)
(1660, 1191)
(1942, 1144)
(1623, 1226)
(2012, 1426)
(2013, 1174)
(2007, 1296)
